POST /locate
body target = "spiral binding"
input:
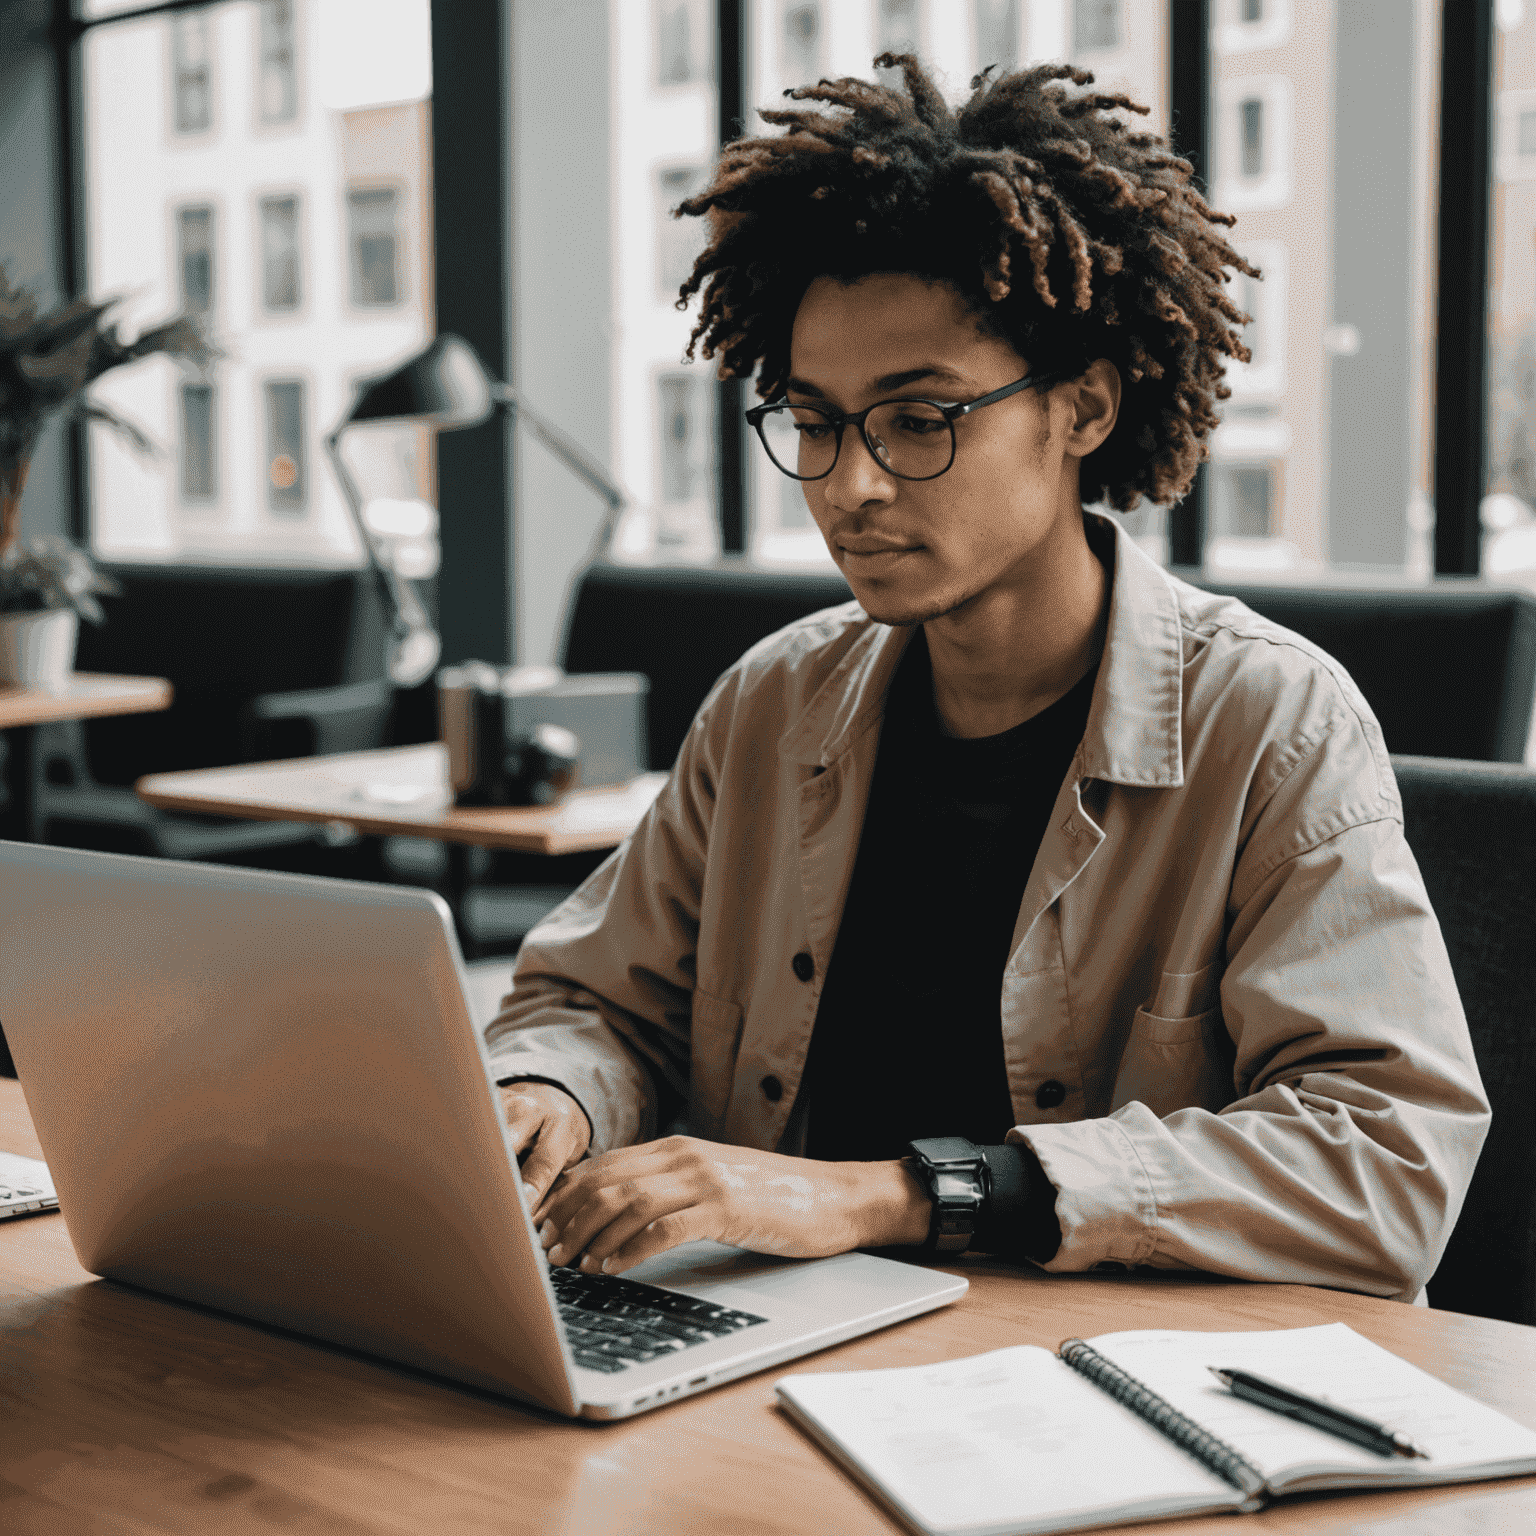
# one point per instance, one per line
(1224, 1460)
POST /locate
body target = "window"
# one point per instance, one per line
(1253, 143)
(1262, 378)
(287, 487)
(278, 84)
(801, 34)
(678, 241)
(684, 41)
(1253, 10)
(1095, 25)
(191, 73)
(1241, 496)
(1252, 112)
(997, 33)
(375, 245)
(686, 461)
(1245, 25)
(280, 253)
(199, 478)
(194, 258)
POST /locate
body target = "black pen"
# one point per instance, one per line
(1337, 1421)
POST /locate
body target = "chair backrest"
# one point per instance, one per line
(1472, 828)
(682, 626)
(222, 637)
(1449, 667)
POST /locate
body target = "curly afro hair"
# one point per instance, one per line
(1065, 233)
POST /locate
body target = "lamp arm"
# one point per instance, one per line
(410, 619)
(566, 449)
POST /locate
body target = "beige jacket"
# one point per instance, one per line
(1224, 953)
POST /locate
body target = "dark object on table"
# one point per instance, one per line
(1320, 1415)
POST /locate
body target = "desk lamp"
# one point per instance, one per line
(443, 386)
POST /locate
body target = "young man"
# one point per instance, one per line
(1032, 846)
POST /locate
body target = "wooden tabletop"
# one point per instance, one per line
(126, 1412)
(402, 791)
(86, 693)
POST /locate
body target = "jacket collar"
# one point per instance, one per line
(1133, 734)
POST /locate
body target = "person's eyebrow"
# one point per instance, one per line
(885, 381)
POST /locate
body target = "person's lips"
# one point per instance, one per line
(872, 551)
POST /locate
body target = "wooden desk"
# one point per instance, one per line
(127, 1412)
(401, 792)
(86, 694)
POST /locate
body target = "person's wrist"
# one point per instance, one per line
(892, 1208)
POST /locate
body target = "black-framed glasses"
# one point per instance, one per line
(914, 439)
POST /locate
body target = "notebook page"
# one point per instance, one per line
(1334, 1363)
(1011, 1441)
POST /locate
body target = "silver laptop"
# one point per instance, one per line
(265, 1093)
(25, 1186)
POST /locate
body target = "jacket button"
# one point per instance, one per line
(803, 966)
(1049, 1094)
(773, 1089)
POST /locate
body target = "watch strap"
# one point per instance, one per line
(956, 1176)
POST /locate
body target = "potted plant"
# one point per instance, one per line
(47, 362)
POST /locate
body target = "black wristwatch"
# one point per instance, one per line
(958, 1182)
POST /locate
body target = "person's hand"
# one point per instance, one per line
(628, 1205)
(550, 1127)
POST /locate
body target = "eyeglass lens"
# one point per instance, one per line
(910, 438)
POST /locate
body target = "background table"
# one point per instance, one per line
(402, 792)
(127, 1412)
(86, 694)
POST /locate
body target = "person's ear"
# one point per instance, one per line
(1095, 401)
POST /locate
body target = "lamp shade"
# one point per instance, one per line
(445, 386)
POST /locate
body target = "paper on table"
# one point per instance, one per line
(1334, 1363)
(1008, 1441)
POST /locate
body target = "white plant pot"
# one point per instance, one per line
(37, 650)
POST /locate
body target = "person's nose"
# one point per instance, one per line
(858, 479)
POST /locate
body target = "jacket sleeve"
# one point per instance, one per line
(1344, 1158)
(602, 992)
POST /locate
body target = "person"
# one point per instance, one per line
(1032, 846)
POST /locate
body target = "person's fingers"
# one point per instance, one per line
(524, 1117)
(614, 1214)
(558, 1146)
(684, 1226)
(581, 1183)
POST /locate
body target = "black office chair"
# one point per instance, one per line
(1472, 828)
(264, 664)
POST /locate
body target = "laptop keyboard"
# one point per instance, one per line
(613, 1323)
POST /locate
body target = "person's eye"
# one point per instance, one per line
(920, 424)
(812, 431)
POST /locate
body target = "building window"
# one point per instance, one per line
(1095, 24)
(280, 253)
(801, 32)
(287, 487)
(1252, 114)
(1253, 10)
(373, 213)
(684, 41)
(997, 34)
(1246, 25)
(687, 436)
(278, 82)
(191, 73)
(199, 466)
(194, 258)
(898, 27)
(1242, 498)
(678, 241)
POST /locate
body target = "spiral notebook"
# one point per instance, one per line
(1132, 1426)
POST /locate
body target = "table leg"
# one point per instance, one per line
(457, 893)
(19, 819)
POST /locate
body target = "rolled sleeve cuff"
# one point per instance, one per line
(1104, 1199)
(612, 1088)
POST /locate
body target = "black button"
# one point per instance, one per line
(804, 967)
(1049, 1094)
(773, 1089)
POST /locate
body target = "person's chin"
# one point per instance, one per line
(898, 587)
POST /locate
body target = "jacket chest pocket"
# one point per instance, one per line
(1172, 1064)
(1178, 1055)
(714, 1046)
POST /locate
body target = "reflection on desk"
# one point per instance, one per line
(403, 791)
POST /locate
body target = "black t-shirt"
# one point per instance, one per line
(908, 1036)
